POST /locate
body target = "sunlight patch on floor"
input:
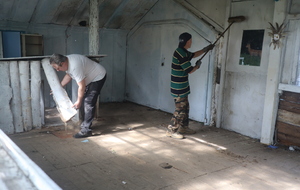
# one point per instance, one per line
(218, 147)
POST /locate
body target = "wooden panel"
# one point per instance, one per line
(288, 119)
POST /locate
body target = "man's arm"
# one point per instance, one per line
(67, 78)
(200, 52)
(81, 90)
(194, 69)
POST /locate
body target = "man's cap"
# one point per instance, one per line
(183, 38)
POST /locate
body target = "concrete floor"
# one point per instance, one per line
(132, 150)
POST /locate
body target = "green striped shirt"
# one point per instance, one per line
(181, 66)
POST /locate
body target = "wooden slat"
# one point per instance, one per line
(285, 139)
(290, 96)
(288, 129)
(6, 118)
(35, 71)
(289, 106)
(288, 117)
(25, 94)
(16, 99)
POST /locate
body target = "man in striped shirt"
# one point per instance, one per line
(180, 88)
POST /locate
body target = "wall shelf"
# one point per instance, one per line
(32, 45)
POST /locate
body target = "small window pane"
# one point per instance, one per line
(251, 49)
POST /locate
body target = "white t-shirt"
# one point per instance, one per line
(80, 67)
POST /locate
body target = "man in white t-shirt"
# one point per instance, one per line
(90, 77)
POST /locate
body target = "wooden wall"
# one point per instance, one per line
(288, 119)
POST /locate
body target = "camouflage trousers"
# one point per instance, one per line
(180, 117)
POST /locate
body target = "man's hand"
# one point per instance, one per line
(76, 105)
(198, 63)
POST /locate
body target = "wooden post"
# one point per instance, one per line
(94, 36)
(16, 104)
(271, 94)
(25, 94)
(35, 70)
(94, 28)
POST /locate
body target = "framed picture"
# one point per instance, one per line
(251, 48)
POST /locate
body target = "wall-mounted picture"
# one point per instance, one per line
(251, 48)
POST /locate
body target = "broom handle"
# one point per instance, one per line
(217, 40)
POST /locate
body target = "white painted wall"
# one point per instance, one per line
(151, 45)
(244, 86)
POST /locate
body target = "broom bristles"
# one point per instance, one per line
(236, 19)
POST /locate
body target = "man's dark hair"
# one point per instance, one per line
(57, 59)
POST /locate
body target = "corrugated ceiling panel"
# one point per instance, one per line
(45, 11)
(113, 14)
(23, 10)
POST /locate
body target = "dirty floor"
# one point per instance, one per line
(132, 152)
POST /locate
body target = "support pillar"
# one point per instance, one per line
(94, 36)
(94, 28)
(273, 77)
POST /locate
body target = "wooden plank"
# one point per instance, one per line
(6, 118)
(289, 106)
(35, 73)
(16, 99)
(290, 96)
(288, 140)
(288, 129)
(288, 117)
(32, 172)
(25, 94)
(60, 96)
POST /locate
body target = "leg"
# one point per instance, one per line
(90, 101)
(179, 115)
(186, 110)
(178, 118)
(184, 128)
(89, 105)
